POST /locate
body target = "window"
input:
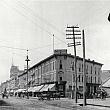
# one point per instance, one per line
(87, 79)
(82, 67)
(79, 78)
(91, 69)
(60, 78)
(50, 66)
(99, 71)
(73, 66)
(87, 69)
(60, 64)
(79, 67)
(95, 79)
(91, 79)
(95, 70)
(82, 78)
(73, 77)
(53, 65)
(98, 80)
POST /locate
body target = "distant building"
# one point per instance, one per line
(5, 85)
(14, 81)
(57, 69)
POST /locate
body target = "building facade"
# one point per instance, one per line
(14, 81)
(59, 68)
(5, 85)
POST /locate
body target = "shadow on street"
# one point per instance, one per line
(3, 103)
(99, 105)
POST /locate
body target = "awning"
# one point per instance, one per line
(37, 88)
(47, 87)
(30, 89)
(11, 90)
(21, 90)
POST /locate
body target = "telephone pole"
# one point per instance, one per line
(84, 72)
(27, 60)
(73, 33)
(53, 43)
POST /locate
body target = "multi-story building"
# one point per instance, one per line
(5, 85)
(14, 81)
(57, 69)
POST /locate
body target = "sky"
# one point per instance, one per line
(30, 24)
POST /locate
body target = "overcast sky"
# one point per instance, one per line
(30, 24)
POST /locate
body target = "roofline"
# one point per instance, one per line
(54, 55)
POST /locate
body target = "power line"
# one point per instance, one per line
(13, 47)
(39, 17)
(27, 17)
(32, 20)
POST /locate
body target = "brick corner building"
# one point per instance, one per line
(56, 69)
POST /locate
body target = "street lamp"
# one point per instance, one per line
(27, 60)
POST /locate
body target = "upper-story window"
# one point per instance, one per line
(87, 79)
(82, 67)
(50, 66)
(82, 78)
(95, 79)
(79, 67)
(95, 71)
(60, 64)
(72, 66)
(91, 69)
(87, 69)
(98, 80)
(91, 79)
(99, 71)
(53, 66)
(79, 78)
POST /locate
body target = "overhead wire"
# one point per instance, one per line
(30, 11)
(24, 15)
(36, 15)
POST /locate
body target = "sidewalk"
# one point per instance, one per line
(92, 104)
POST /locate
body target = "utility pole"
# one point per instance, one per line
(74, 43)
(53, 43)
(27, 60)
(84, 72)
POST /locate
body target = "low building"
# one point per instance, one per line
(57, 69)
